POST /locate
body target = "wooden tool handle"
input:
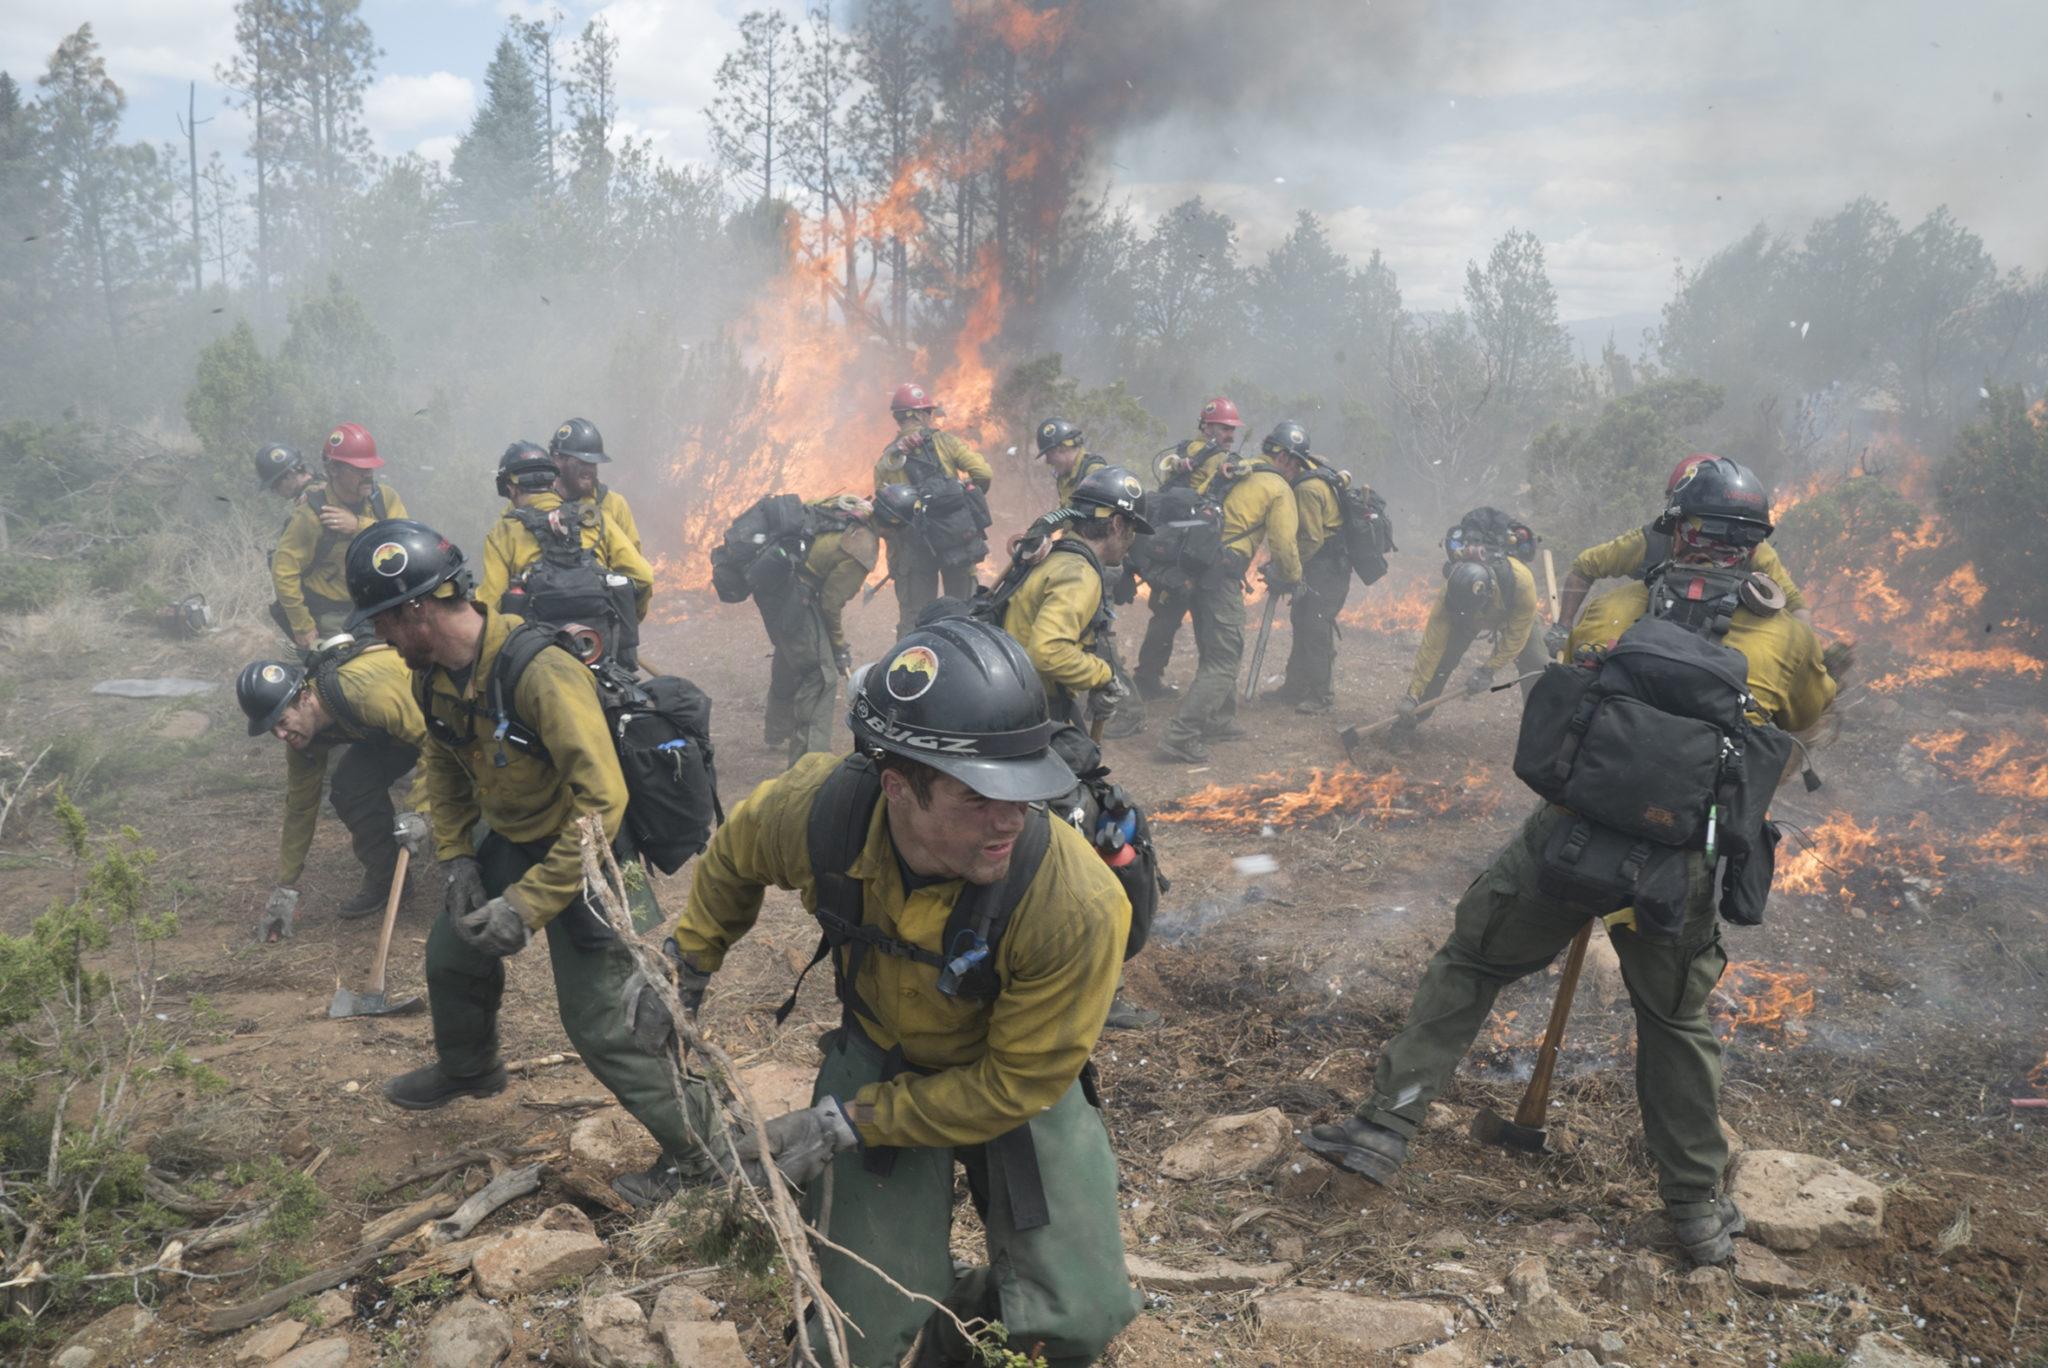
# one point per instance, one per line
(1536, 1101)
(390, 917)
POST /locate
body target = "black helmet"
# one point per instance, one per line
(1111, 489)
(1468, 589)
(525, 467)
(961, 696)
(265, 688)
(1288, 438)
(1726, 497)
(1057, 432)
(274, 462)
(397, 561)
(579, 438)
(896, 505)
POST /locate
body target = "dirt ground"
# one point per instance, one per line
(1926, 1013)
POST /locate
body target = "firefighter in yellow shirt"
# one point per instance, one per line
(806, 620)
(1487, 591)
(976, 945)
(943, 543)
(1325, 570)
(358, 701)
(1062, 448)
(578, 449)
(1258, 510)
(306, 569)
(1193, 464)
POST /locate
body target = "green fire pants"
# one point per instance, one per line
(1312, 659)
(1217, 608)
(803, 682)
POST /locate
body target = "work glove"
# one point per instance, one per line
(1840, 658)
(1124, 589)
(1556, 639)
(690, 981)
(495, 929)
(801, 1143)
(1479, 681)
(842, 657)
(463, 892)
(412, 832)
(277, 914)
(1407, 706)
(1103, 702)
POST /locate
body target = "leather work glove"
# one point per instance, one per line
(277, 915)
(842, 657)
(495, 929)
(464, 891)
(1479, 681)
(1407, 706)
(1103, 702)
(412, 832)
(1556, 639)
(690, 981)
(801, 1143)
(1839, 659)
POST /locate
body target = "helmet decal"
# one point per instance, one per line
(390, 560)
(1132, 489)
(336, 438)
(562, 431)
(912, 673)
(273, 674)
(1687, 478)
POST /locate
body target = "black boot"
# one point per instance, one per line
(1156, 690)
(1364, 1148)
(1707, 1230)
(370, 896)
(433, 1086)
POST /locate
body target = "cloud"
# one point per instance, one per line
(669, 51)
(146, 43)
(438, 102)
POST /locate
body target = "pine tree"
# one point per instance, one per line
(324, 150)
(501, 163)
(255, 75)
(753, 105)
(593, 93)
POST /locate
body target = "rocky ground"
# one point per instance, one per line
(1877, 1027)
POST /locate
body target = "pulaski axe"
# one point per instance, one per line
(1526, 1132)
(349, 1003)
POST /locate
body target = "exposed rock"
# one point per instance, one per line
(780, 1088)
(270, 1340)
(1442, 1116)
(1230, 1146)
(1799, 1201)
(1529, 1281)
(609, 1142)
(529, 1259)
(1313, 1181)
(1578, 1233)
(1209, 1275)
(297, 1142)
(334, 1307)
(706, 1344)
(1605, 1347)
(1541, 1315)
(1448, 1240)
(1734, 1139)
(1707, 1290)
(101, 1342)
(1450, 1354)
(611, 1332)
(1356, 1324)
(332, 1352)
(563, 1216)
(1633, 1282)
(467, 1333)
(1886, 1351)
(1577, 1358)
(680, 1302)
(1884, 1132)
(1758, 1270)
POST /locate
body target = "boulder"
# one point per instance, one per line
(1633, 1283)
(528, 1259)
(467, 1333)
(1760, 1271)
(1795, 1202)
(563, 1216)
(1707, 1290)
(611, 1332)
(609, 1142)
(780, 1088)
(332, 1352)
(334, 1307)
(1353, 1325)
(1529, 1281)
(1887, 1351)
(679, 1304)
(1208, 1275)
(106, 1339)
(707, 1344)
(1605, 1347)
(1541, 1315)
(1230, 1146)
(272, 1339)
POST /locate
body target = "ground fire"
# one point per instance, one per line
(1342, 794)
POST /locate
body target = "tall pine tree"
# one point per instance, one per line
(500, 166)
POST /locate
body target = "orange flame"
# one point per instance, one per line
(1280, 800)
(1389, 608)
(1754, 998)
(2001, 765)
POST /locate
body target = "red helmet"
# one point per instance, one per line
(1220, 410)
(911, 398)
(1678, 471)
(351, 445)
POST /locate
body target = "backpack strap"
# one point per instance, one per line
(1656, 551)
(327, 688)
(525, 641)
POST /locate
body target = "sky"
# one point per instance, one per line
(1632, 138)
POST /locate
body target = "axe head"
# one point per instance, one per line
(352, 1004)
(1349, 736)
(1489, 1127)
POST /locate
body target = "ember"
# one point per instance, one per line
(1343, 793)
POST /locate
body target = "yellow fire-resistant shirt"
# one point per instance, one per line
(1512, 616)
(956, 458)
(1204, 460)
(834, 571)
(310, 560)
(1786, 676)
(1260, 509)
(1320, 512)
(527, 798)
(999, 1063)
(1064, 485)
(1623, 556)
(1052, 616)
(378, 689)
(509, 549)
(618, 513)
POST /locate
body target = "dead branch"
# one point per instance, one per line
(393, 1224)
(546, 1061)
(434, 1168)
(505, 1188)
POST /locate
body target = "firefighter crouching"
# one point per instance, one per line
(1487, 590)
(976, 946)
(806, 622)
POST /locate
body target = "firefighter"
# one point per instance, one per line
(1633, 555)
(1258, 509)
(578, 449)
(1325, 569)
(358, 702)
(1061, 447)
(978, 1060)
(280, 470)
(923, 457)
(1192, 464)
(1487, 590)
(1507, 928)
(506, 802)
(806, 622)
(306, 568)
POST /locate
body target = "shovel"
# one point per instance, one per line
(1526, 1132)
(1351, 736)
(349, 1003)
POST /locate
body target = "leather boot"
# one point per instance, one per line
(1707, 1231)
(1366, 1149)
(427, 1088)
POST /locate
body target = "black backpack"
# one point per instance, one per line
(569, 584)
(323, 670)
(661, 730)
(1113, 824)
(953, 515)
(1368, 532)
(1187, 533)
(761, 549)
(1649, 746)
(1494, 530)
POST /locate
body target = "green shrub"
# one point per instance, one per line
(29, 584)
